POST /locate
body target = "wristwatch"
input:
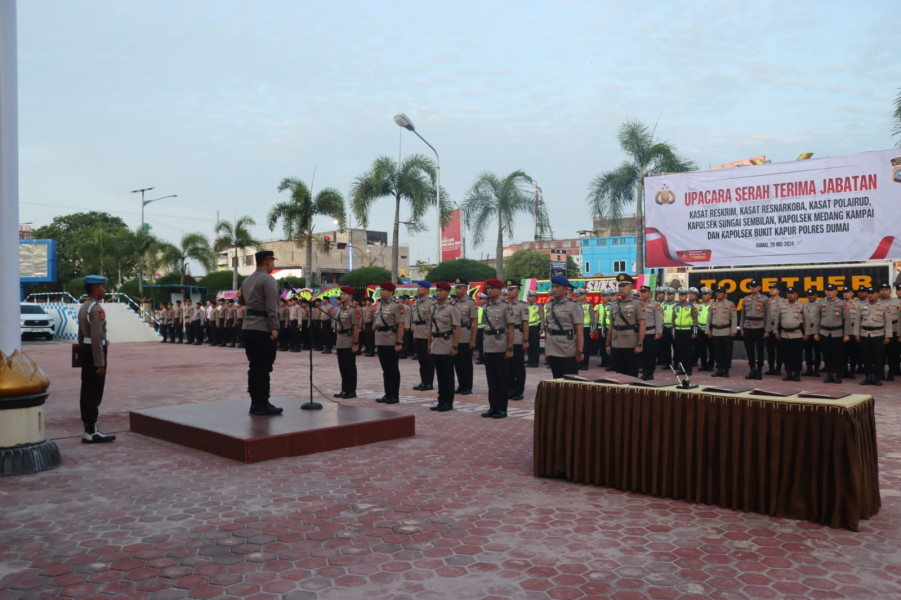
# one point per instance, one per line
(509, 348)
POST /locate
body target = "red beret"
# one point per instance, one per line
(348, 290)
(495, 283)
(443, 285)
(387, 285)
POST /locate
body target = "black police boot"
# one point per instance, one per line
(877, 380)
(890, 376)
(752, 374)
(829, 378)
(788, 376)
(866, 380)
(837, 378)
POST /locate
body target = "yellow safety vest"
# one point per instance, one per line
(683, 317)
(703, 309)
(534, 315)
(668, 315)
(586, 315)
(481, 325)
(601, 311)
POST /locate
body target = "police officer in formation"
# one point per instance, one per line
(516, 365)
(536, 318)
(563, 323)
(389, 340)
(498, 320)
(347, 324)
(625, 340)
(755, 328)
(685, 330)
(703, 355)
(791, 325)
(812, 354)
(892, 349)
(832, 327)
(469, 319)
(422, 308)
(653, 331)
(875, 334)
(443, 344)
(722, 325)
(582, 300)
(773, 352)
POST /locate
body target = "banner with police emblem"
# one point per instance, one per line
(837, 209)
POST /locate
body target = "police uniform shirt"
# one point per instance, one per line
(390, 312)
(624, 318)
(520, 314)
(241, 312)
(230, 312)
(179, 315)
(292, 312)
(188, 314)
(773, 315)
(560, 320)
(653, 315)
(259, 292)
(469, 314)
(443, 319)
(347, 317)
(875, 320)
(422, 308)
(721, 319)
(755, 312)
(830, 318)
(92, 329)
(894, 307)
(853, 308)
(793, 320)
(368, 313)
(220, 312)
(408, 316)
(496, 316)
(679, 318)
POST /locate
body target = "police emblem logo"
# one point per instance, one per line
(896, 169)
(101, 313)
(665, 196)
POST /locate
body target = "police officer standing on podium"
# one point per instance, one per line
(563, 322)
(92, 347)
(259, 292)
(625, 340)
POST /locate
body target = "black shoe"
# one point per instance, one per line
(480, 362)
(369, 354)
(771, 371)
(718, 373)
(788, 377)
(420, 388)
(837, 378)
(797, 376)
(464, 393)
(339, 395)
(436, 407)
(392, 400)
(382, 399)
(516, 397)
(457, 391)
(758, 374)
(890, 377)
(751, 375)
(97, 437)
(808, 373)
(426, 388)
(829, 378)
(501, 414)
(488, 414)
(265, 409)
(876, 381)
(445, 408)
(867, 380)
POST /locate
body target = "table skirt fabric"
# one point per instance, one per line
(799, 460)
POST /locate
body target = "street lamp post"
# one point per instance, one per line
(141, 268)
(403, 121)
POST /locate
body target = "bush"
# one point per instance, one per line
(217, 281)
(463, 268)
(365, 276)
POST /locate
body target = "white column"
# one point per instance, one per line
(10, 338)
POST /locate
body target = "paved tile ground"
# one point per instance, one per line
(453, 512)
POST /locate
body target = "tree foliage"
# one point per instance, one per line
(463, 268)
(235, 235)
(896, 118)
(496, 198)
(533, 264)
(414, 181)
(193, 246)
(365, 276)
(218, 281)
(613, 193)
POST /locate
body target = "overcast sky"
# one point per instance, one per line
(217, 101)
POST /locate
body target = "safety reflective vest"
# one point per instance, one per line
(703, 309)
(481, 325)
(586, 315)
(682, 317)
(668, 315)
(534, 315)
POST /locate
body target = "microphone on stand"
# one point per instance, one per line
(306, 405)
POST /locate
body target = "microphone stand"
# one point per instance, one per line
(311, 405)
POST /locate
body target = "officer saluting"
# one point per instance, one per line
(389, 336)
(563, 322)
(832, 328)
(625, 340)
(259, 292)
(92, 347)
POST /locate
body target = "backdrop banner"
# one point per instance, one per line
(837, 209)
(451, 238)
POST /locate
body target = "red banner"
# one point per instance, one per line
(451, 240)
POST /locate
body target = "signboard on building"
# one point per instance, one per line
(828, 210)
(452, 238)
(558, 262)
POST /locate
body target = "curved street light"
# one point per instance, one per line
(404, 121)
(141, 268)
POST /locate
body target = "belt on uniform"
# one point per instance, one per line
(798, 328)
(727, 327)
(836, 328)
(383, 329)
(466, 325)
(625, 327)
(868, 328)
(87, 340)
(345, 331)
(517, 327)
(688, 328)
(747, 318)
(420, 322)
(445, 334)
(251, 312)
(650, 330)
(561, 332)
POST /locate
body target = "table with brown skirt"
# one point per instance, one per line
(811, 459)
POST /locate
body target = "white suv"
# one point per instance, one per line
(35, 321)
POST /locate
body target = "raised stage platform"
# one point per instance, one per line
(224, 428)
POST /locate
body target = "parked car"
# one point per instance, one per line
(35, 321)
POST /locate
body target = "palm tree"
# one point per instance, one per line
(613, 192)
(494, 197)
(193, 246)
(896, 117)
(297, 215)
(414, 182)
(236, 235)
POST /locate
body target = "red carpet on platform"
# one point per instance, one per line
(224, 428)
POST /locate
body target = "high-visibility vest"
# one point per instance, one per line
(534, 315)
(682, 317)
(586, 315)
(668, 315)
(601, 310)
(607, 315)
(703, 309)
(481, 325)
